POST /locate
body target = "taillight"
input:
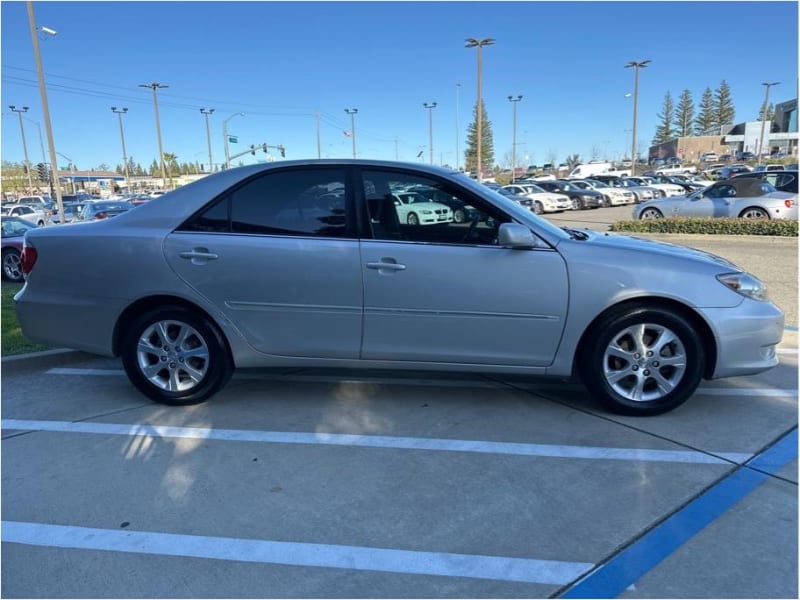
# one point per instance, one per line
(790, 202)
(100, 216)
(28, 257)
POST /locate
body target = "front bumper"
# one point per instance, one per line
(747, 337)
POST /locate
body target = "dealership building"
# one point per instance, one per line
(780, 135)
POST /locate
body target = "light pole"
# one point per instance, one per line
(206, 112)
(352, 112)
(154, 86)
(19, 112)
(764, 119)
(41, 143)
(514, 100)
(119, 113)
(636, 66)
(430, 108)
(225, 135)
(475, 43)
(458, 103)
(45, 107)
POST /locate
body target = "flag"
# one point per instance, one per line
(347, 134)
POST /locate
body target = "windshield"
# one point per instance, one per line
(600, 184)
(534, 189)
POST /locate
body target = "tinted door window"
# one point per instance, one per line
(297, 202)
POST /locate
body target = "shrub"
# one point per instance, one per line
(775, 227)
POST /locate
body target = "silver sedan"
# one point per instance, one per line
(306, 264)
(732, 198)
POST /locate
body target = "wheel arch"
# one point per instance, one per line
(755, 207)
(142, 305)
(698, 322)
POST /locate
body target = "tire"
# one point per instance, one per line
(577, 204)
(538, 208)
(166, 375)
(412, 219)
(459, 216)
(754, 212)
(650, 213)
(642, 361)
(12, 265)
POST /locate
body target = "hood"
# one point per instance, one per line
(665, 249)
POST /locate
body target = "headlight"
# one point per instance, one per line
(744, 284)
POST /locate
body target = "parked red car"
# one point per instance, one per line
(14, 229)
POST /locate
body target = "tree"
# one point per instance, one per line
(684, 114)
(573, 160)
(487, 142)
(706, 119)
(723, 105)
(770, 116)
(171, 160)
(102, 167)
(155, 168)
(664, 131)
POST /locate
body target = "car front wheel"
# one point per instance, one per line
(412, 219)
(651, 213)
(176, 356)
(642, 361)
(577, 204)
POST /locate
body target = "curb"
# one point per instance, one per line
(43, 359)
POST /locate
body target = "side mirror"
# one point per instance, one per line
(516, 236)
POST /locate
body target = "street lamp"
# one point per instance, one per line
(121, 112)
(154, 86)
(225, 135)
(352, 112)
(206, 112)
(479, 44)
(764, 119)
(458, 103)
(19, 112)
(430, 108)
(636, 66)
(514, 100)
(41, 143)
(45, 107)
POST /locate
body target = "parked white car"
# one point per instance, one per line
(613, 196)
(664, 189)
(414, 209)
(29, 212)
(541, 200)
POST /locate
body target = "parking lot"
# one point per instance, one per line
(327, 483)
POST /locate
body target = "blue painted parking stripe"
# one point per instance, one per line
(359, 558)
(613, 578)
(379, 441)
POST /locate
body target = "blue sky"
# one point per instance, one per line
(279, 63)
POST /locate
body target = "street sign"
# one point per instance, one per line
(232, 139)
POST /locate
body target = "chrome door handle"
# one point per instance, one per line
(199, 256)
(387, 266)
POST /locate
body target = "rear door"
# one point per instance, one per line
(278, 256)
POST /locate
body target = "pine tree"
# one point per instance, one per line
(487, 143)
(770, 112)
(723, 105)
(155, 168)
(664, 131)
(706, 120)
(684, 114)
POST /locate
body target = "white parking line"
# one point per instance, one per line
(376, 441)
(296, 553)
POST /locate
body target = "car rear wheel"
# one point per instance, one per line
(651, 213)
(642, 361)
(176, 356)
(12, 265)
(754, 212)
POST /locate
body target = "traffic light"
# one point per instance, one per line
(252, 149)
(25, 169)
(41, 170)
(283, 151)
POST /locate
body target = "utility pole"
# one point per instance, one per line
(430, 108)
(514, 100)
(225, 135)
(473, 43)
(636, 66)
(19, 112)
(352, 112)
(154, 86)
(319, 147)
(206, 112)
(119, 113)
